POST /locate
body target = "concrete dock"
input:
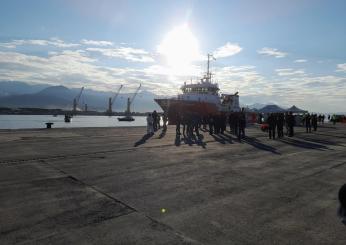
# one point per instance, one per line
(116, 186)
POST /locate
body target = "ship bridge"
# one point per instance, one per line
(200, 88)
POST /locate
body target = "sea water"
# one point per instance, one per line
(38, 121)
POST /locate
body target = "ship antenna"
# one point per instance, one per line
(208, 72)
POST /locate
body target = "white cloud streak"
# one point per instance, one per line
(272, 52)
(96, 43)
(40, 42)
(127, 53)
(300, 61)
(229, 49)
(289, 72)
(341, 67)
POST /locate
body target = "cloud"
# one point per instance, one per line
(227, 50)
(76, 68)
(127, 53)
(272, 52)
(300, 61)
(40, 42)
(341, 67)
(96, 43)
(89, 66)
(289, 72)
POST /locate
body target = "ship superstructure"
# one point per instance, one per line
(202, 98)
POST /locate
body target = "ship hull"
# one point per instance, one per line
(174, 107)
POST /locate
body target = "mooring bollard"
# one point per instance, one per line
(49, 124)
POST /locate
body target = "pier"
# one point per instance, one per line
(117, 186)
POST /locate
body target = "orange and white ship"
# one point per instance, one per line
(202, 98)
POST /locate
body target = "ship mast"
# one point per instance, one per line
(208, 66)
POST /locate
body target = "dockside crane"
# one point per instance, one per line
(76, 101)
(112, 100)
(128, 116)
(130, 101)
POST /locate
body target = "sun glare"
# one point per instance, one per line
(180, 47)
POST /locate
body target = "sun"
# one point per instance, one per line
(180, 47)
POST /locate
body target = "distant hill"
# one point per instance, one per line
(15, 88)
(271, 109)
(256, 106)
(50, 97)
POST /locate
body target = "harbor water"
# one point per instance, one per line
(38, 121)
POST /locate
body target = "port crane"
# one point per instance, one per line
(128, 116)
(76, 101)
(111, 101)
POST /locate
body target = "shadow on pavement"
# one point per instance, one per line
(304, 144)
(257, 144)
(222, 138)
(319, 141)
(177, 140)
(192, 140)
(163, 133)
(143, 139)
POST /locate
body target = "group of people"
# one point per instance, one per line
(215, 124)
(276, 123)
(154, 122)
(189, 123)
(311, 121)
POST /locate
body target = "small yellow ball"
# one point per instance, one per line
(163, 210)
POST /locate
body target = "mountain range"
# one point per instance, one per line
(14, 94)
(20, 94)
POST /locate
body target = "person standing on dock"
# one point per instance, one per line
(314, 121)
(165, 119)
(230, 121)
(272, 125)
(178, 122)
(150, 128)
(211, 124)
(154, 115)
(236, 124)
(280, 125)
(242, 124)
(290, 123)
(307, 120)
(158, 121)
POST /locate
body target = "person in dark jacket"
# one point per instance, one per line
(154, 115)
(211, 124)
(280, 125)
(314, 121)
(236, 124)
(230, 121)
(242, 124)
(308, 123)
(272, 125)
(290, 124)
(178, 122)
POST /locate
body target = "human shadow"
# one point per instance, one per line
(304, 144)
(143, 139)
(259, 145)
(163, 133)
(319, 141)
(222, 138)
(177, 141)
(191, 140)
(199, 141)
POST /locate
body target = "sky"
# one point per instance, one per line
(287, 52)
